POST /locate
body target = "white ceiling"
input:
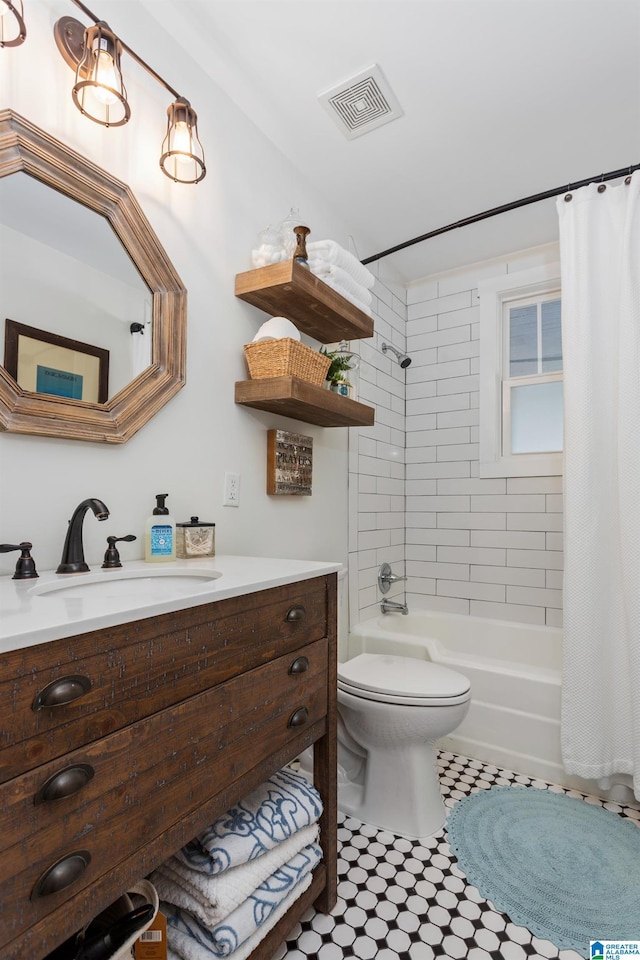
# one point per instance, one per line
(502, 99)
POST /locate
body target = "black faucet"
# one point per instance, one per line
(25, 567)
(112, 556)
(73, 551)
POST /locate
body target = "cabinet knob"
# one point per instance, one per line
(61, 691)
(299, 718)
(295, 613)
(299, 665)
(65, 783)
(61, 874)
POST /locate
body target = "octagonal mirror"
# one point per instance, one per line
(94, 312)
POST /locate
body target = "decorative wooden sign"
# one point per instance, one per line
(289, 463)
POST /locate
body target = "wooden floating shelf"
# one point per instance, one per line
(291, 397)
(288, 290)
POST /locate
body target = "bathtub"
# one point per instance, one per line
(514, 669)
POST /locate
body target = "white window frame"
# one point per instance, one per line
(495, 460)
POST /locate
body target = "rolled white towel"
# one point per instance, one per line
(325, 270)
(332, 252)
(276, 328)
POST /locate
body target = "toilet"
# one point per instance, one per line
(391, 709)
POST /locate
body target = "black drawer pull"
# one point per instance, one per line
(65, 783)
(295, 613)
(299, 718)
(299, 665)
(61, 691)
(61, 874)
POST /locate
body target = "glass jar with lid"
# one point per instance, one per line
(195, 538)
(268, 248)
(288, 238)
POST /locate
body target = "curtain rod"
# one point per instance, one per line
(514, 205)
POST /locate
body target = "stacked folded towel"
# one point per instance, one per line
(226, 889)
(342, 271)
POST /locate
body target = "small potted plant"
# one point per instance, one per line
(335, 378)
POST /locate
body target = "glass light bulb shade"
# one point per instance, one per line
(182, 142)
(99, 92)
(106, 77)
(12, 26)
(182, 158)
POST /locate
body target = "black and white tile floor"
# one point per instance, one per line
(402, 899)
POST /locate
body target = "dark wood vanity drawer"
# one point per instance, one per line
(136, 669)
(150, 775)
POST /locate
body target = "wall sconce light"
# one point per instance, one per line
(100, 94)
(12, 27)
(182, 154)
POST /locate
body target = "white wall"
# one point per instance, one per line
(208, 232)
(486, 547)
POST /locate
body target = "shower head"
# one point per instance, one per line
(403, 359)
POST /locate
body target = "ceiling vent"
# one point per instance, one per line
(361, 103)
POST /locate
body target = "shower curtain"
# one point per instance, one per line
(600, 261)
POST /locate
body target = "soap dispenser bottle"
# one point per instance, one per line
(160, 533)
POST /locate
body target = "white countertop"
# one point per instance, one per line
(28, 615)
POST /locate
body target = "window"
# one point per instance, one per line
(521, 374)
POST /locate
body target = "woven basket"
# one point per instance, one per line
(285, 358)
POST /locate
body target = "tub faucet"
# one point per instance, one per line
(73, 551)
(391, 606)
(386, 578)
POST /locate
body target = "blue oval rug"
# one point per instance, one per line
(566, 869)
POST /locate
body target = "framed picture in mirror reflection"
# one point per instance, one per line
(44, 362)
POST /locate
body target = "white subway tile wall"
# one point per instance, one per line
(489, 548)
(377, 470)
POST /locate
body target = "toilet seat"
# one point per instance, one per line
(402, 680)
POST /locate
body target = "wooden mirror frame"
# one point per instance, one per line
(24, 147)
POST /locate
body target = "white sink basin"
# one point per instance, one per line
(141, 585)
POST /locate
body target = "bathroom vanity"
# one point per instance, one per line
(129, 728)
